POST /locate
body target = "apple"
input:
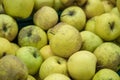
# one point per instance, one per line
(30, 77)
(57, 76)
(8, 27)
(31, 58)
(74, 16)
(19, 9)
(46, 17)
(14, 47)
(65, 40)
(90, 41)
(106, 74)
(80, 2)
(115, 11)
(107, 26)
(82, 65)
(5, 47)
(32, 35)
(90, 24)
(46, 52)
(94, 8)
(108, 6)
(53, 64)
(108, 56)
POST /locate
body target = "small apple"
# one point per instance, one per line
(106, 74)
(115, 11)
(18, 8)
(94, 8)
(108, 56)
(46, 17)
(57, 76)
(30, 77)
(8, 27)
(74, 16)
(65, 40)
(108, 26)
(32, 35)
(5, 47)
(46, 52)
(82, 65)
(90, 41)
(31, 58)
(14, 47)
(53, 64)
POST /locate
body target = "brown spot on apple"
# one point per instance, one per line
(111, 25)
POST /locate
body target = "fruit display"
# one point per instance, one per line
(59, 39)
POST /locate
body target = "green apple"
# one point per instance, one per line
(5, 47)
(65, 40)
(94, 8)
(30, 77)
(82, 65)
(118, 4)
(74, 16)
(18, 8)
(31, 58)
(90, 24)
(12, 68)
(108, 6)
(57, 76)
(32, 35)
(108, 56)
(108, 26)
(46, 17)
(8, 27)
(115, 11)
(90, 41)
(53, 64)
(106, 74)
(46, 52)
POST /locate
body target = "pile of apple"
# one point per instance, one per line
(68, 40)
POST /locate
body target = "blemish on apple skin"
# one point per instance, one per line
(4, 27)
(111, 25)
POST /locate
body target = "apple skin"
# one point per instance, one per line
(53, 64)
(74, 16)
(118, 4)
(115, 11)
(57, 76)
(17, 8)
(78, 64)
(106, 74)
(108, 24)
(46, 17)
(8, 27)
(90, 41)
(31, 58)
(15, 47)
(108, 56)
(46, 52)
(5, 47)
(91, 10)
(80, 2)
(30, 77)
(65, 40)
(32, 35)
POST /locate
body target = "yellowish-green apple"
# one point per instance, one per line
(12, 68)
(5, 47)
(80, 2)
(74, 16)
(8, 27)
(108, 26)
(118, 4)
(82, 65)
(90, 24)
(65, 40)
(57, 76)
(14, 48)
(108, 56)
(115, 11)
(108, 6)
(90, 41)
(53, 64)
(18, 8)
(31, 57)
(94, 8)
(30, 77)
(46, 52)
(46, 17)
(32, 35)
(106, 74)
